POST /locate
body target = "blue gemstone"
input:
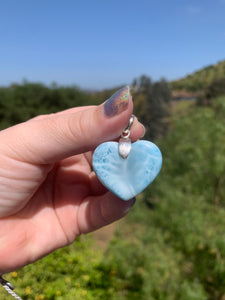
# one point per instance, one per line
(127, 177)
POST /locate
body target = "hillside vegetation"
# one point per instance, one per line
(201, 79)
(20, 102)
(149, 96)
(172, 244)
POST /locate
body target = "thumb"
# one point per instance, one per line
(47, 140)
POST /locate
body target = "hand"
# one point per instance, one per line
(48, 192)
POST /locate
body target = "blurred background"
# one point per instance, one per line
(60, 54)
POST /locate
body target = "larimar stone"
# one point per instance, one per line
(127, 177)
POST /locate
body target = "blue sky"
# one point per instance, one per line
(98, 44)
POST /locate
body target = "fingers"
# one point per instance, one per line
(64, 112)
(96, 212)
(49, 139)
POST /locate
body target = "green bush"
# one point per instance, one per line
(19, 103)
(172, 244)
(174, 238)
(75, 272)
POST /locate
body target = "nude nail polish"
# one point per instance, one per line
(118, 102)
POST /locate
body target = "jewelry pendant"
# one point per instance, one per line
(124, 168)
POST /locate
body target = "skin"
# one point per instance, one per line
(49, 194)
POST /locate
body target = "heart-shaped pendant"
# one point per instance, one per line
(127, 177)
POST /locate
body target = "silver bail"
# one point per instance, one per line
(124, 142)
(126, 132)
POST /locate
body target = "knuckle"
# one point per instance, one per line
(79, 126)
(75, 127)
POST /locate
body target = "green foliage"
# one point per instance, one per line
(172, 244)
(76, 272)
(174, 238)
(216, 88)
(19, 103)
(201, 79)
(151, 105)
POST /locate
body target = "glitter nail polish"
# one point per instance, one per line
(118, 102)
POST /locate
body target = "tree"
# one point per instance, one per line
(19, 103)
(151, 103)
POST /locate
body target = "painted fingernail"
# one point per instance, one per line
(130, 203)
(118, 102)
(133, 201)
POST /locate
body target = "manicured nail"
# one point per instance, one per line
(133, 201)
(144, 131)
(118, 102)
(130, 203)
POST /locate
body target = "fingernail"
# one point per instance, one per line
(144, 131)
(118, 102)
(132, 201)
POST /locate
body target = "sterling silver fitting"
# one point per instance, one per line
(124, 142)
